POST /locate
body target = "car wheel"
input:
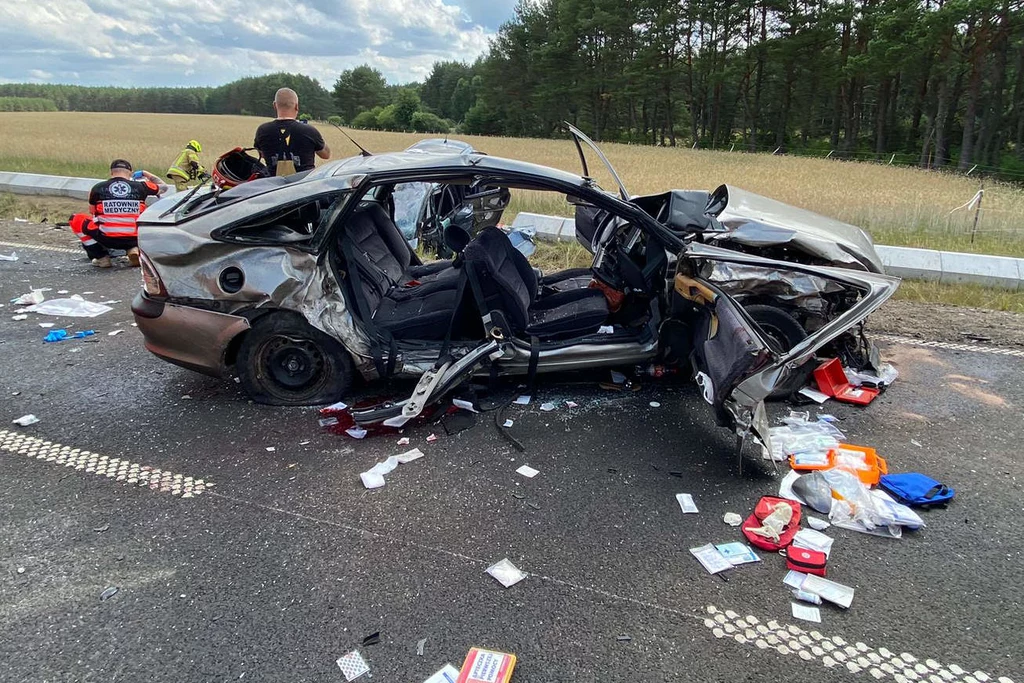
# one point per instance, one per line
(782, 332)
(284, 361)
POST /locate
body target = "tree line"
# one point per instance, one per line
(935, 83)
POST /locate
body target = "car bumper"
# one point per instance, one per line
(187, 336)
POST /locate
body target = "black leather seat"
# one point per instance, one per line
(376, 248)
(508, 284)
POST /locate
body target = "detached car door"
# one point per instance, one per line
(735, 366)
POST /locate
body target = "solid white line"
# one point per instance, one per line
(22, 245)
(978, 348)
(117, 469)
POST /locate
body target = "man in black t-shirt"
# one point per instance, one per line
(285, 143)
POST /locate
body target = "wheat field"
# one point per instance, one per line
(897, 205)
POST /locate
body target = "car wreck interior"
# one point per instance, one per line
(399, 298)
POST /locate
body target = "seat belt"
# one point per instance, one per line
(441, 357)
(366, 315)
(531, 372)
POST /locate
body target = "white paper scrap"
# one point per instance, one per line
(327, 421)
(813, 394)
(835, 593)
(817, 523)
(352, 665)
(356, 432)
(26, 420)
(686, 503)
(449, 674)
(523, 400)
(465, 405)
(806, 612)
(340, 405)
(13, 256)
(527, 471)
(373, 478)
(547, 407)
(507, 423)
(404, 441)
(711, 559)
(506, 573)
(114, 333)
(794, 579)
(813, 540)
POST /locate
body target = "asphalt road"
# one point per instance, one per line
(286, 562)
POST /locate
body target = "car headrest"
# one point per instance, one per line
(459, 230)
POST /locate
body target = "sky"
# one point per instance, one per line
(210, 42)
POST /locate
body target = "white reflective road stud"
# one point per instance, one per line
(788, 639)
(102, 465)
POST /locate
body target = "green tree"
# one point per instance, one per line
(359, 89)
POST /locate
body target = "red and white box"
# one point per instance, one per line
(487, 666)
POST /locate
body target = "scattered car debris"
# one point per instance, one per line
(271, 449)
(506, 573)
(547, 407)
(114, 333)
(532, 506)
(527, 471)
(46, 326)
(522, 401)
(465, 405)
(21, 570)
(487, 666)
(623, 638)
(357, 432)
(101, 529)
(404, 441)
(372, 639)
(458, 421)
(26, 420)
(20, 316)
(108, 593)
(732, 519)
(686, 503)
(420, 645)
(373, 478)
(353, 665)
(447, 674)
(13, 256)
(507, 423)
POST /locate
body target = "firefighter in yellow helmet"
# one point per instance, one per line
(186, 168)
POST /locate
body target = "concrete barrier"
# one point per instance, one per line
(907, 262)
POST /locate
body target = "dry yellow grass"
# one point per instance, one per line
(897, 205)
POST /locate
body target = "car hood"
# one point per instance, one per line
(754, 220)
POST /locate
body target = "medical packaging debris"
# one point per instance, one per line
(711, 559)
(19, 317)
(836, 593)
(813, 394)
(732, 519)
(465, 405)
(804, 596)
(72, 308)
(33, 297)
(527, 471)
(805, 613)
(817, 524)
(356, 432)
(686, 503)
(832, 382)
(506, 573)
(799, 436)
(353, 665)
(487, 666)
(507, 423)
(547, 407)
(26, 420)
(885, 376)
(46, 326)
(327, 421)
(447, 674)
(373, 478)
(523, 400)
(737, 553)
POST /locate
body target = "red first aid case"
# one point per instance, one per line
(806, 561)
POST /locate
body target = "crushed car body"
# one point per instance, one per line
(301, 285)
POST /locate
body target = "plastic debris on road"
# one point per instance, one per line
(686, 503)
(523, 400)
(432, 438)
(732, 519)
(572, 404)
(404, 441)
(114, 333)
(356, 432)
(813, 394)
(82, 334)
(55, 336)
(420, 644)
(527, 471)
(72, 308)
(108, 593)
(9, 257)
(353, 665)
(817, 524)
(506, 573)
(26, 420)
(46, 326)
(448, 674)
(21, 316)
(507, 423)
(805, 596)
(372, 639)
(711, 559)
(373, 478)
(465, 405)
(547, 407)
(327, 421)
(806, 613)
(33, 297)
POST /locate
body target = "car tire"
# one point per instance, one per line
(782, 332)
(284, 361)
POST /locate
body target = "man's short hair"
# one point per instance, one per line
(123, 164)
(286, 96)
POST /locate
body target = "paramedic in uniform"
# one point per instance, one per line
(287, 145)
(114, 207)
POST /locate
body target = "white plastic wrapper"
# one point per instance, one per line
(506, 573)
(72, 308)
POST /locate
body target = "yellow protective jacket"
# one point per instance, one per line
(186, 166)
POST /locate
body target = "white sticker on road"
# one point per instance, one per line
(834, 651)
(117, 469)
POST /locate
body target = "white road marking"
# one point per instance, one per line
(22, 245)
(117, 469)
(978, 348)
(835, 652)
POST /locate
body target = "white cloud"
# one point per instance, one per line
(39, 74)
(207, 42)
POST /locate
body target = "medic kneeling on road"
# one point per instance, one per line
(114, 208)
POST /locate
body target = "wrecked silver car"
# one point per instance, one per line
(301, 285)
